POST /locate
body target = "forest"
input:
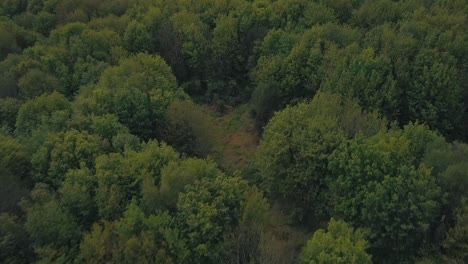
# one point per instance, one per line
(234, 131)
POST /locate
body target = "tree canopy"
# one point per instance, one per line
(240, 131)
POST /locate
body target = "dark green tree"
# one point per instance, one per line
(51, 111)
(54, 232)
(375, 185)
(434, 96)
(15, 173)
(137, 38)
(189, 129)
(77, 195)
(359, 74)
(35, 83)
(15, 243)
(9, 108)
(292, 158)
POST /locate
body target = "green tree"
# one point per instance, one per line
(359, 74)
(138, 92)
(456, 243)
(342, 8)
(64, 33)
(132, 107)
(35, 83)
(77, 195)
(434, 96)
(120, 176)
(63, 152)
(15, 170)
(293, 154)
(9, 108)
(44, 22)
(251, 241)
(277, 42)
(227, 54)
(165, 40)
(50, 59)
(94, 43)
(373, 13)
(51, 111)
(297, 71)
(54, 232)
(140, 235)
(298, 15)
(209, 208)
(450, 166)
(107, 126)
(177, 175)
(34, 6)
(375, 185)
(133, 238)
(15, 244)
(116, 186)
(97, 245)
(339, 244)
(267, 95)
(8, 87)
(13, 38)
(265, 100)
(189, 129)
(193, 37)
(137, 38)
(8, 42)
(13, 7)
(86, 71)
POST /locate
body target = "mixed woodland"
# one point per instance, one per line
(233, 131)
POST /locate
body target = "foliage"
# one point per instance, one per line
(359, 76)
(15, 170)
(136, 37)
(15, 243)
(133, 238)
(292, 158)
(77, 195)
(375, 185)
(51, 111)
(35, 83)
(189, 129)
(210, 208)
(54, 231)
(119, 176)
(437, 78)
(177, 175)
(456, 242)
(9, 108)
(63, 152)
(339, 244)
(138, 92)
(126, 137)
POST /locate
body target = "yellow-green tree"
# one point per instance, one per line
(340, 243)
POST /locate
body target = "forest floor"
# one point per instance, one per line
(235, 138)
